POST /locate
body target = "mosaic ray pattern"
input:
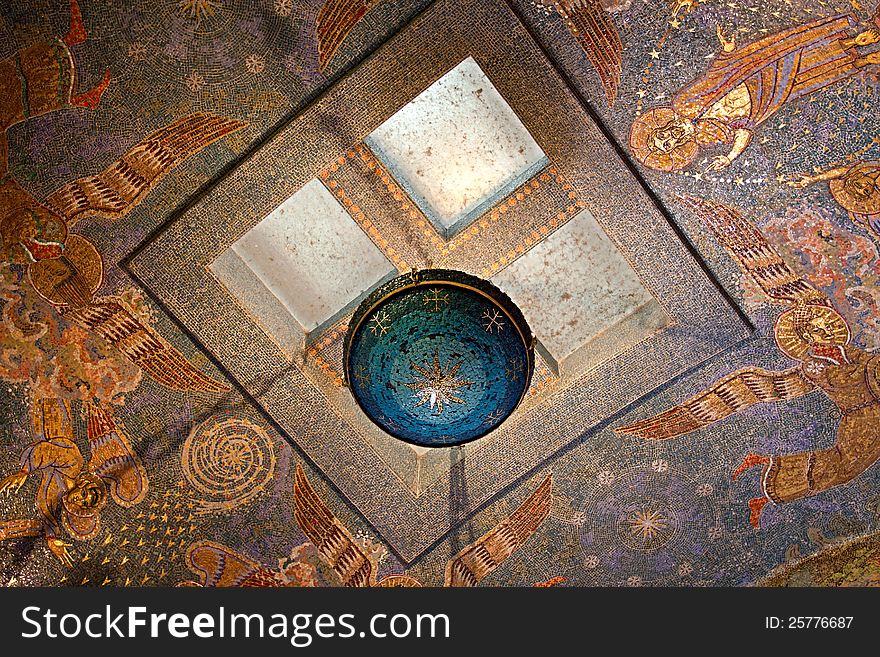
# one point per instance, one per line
(438, 358)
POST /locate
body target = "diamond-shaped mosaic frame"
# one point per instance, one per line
(703, 323)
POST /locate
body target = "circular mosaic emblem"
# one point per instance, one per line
(650, 524)
(438, 357)
(646, 524)
(229, 461)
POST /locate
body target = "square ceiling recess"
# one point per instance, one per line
(580, 296)
(457, 148)
(309, 255)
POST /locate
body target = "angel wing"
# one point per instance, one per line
(120, 187)
(142, 345)
(112, 457)
(483, 556)
(335, 20)
(731, 394)
(4, 154)
(593, 28)
(219, 566)
(755, 255)
(329, 536)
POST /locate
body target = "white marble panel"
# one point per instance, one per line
(574, 285)
(457, 148)
(311, 256)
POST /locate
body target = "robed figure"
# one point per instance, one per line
(745, 86)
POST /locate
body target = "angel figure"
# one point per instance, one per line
(856, 188)
(745, 86)
(71, 493)
(356, 566)
(810, 332)
(66, 269)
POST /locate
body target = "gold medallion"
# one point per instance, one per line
(859, 189)
(798, 329)
(72, 278)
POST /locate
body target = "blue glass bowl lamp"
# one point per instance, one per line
(438, 357)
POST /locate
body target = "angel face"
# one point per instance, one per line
(818, 330)
(800, 329)
(673, 135)
(87, 497)
(862, 184)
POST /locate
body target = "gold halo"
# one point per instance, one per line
(399, 581)
(56, 280)
(850, 201)
(789, 339)
(641, 142)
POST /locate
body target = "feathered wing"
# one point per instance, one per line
(112, 457)
(731, 394)
(483, 556)
(329, 536)
(219, 566)
(142, 345)
(754, 254)
(52, 423)
(594, 29)
(4, 154)
(122, 185)
(336, 20)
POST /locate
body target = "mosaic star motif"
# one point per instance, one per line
(492, 321)
(380, 323)
(284, 7)
(194, 81)
(494, 417)
(137, 51)
(435, 300)
(513, 368)
(254, 63)
(389, 423)
(438, 386)
(198, 9)
(649, 524)
(362, 375)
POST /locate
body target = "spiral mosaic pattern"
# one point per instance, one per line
(228, 461)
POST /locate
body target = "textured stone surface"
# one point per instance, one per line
(457, 148)
(312, 256)
(257, 61)
(573, 285)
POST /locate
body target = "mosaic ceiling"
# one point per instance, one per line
(681, 198)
